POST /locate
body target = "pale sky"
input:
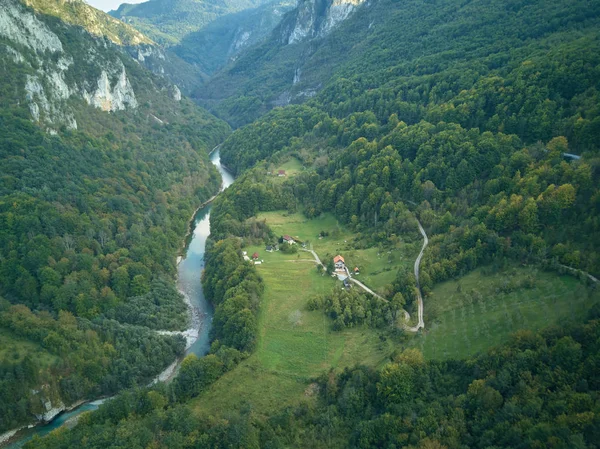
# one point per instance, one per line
(107, 5)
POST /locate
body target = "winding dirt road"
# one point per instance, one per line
(421, 323)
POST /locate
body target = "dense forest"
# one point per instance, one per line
(539, 390)
(91, 221)
(478, 119)
(512, 66)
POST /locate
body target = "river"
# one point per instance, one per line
(189, 284)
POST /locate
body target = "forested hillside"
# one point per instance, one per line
(430, 57)
(103, 164)
(479, 137)
(358, 122)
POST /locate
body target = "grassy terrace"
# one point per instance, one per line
(463, 316)
(294, 344)
(478, 311)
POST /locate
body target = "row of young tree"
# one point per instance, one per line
(349, 307)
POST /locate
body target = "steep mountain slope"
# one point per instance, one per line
(274, 73)
(222, 40)
(465, 115)
(386, 40)
(168, 21)
(102, 164)
(140, 47)
(79, 13)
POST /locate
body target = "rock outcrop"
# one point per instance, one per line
(316, 18)
(112, 96)
(37, 48)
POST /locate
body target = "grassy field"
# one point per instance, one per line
(377, 267)
(468, 315)
(294, 344)
(292, 167)
(13, 349)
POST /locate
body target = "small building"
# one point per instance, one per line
(347, 283)
(339, 263)
(289, 240)
(281, 173)
(269, 248)
(356, 270)
(255, 256)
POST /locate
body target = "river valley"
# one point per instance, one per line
(189, 283)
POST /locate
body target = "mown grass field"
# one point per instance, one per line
(471, 314)
(378, 267)
(294, 344)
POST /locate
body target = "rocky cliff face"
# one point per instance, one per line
(94, 21)
(57, 73)
(316, 18)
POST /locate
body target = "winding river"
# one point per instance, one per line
(189, 284)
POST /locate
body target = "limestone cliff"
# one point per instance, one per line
(62, 64)
(316, 18)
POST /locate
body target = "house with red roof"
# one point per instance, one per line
(340, 263)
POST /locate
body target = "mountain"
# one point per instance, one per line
(79, 13)
(445, 151)
(222, 40)
(292, 64)
(103, 163)
(382, 40)
(168, 21)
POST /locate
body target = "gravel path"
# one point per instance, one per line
(421, 323)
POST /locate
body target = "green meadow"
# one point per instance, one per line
(294, 344)
(482, 309)
(462, 317)
(14, 349)
(377, 266)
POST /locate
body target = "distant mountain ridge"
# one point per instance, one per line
(168, 21)
(222, 40)
(380, 40)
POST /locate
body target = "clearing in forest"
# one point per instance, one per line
(378, 265)
(294, 344)
(483, 308)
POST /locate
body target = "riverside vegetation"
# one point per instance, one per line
(90, 222)
(466, 116)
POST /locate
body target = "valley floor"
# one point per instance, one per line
(294, 344)
(463, 316)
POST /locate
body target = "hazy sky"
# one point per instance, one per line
(107, 5)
